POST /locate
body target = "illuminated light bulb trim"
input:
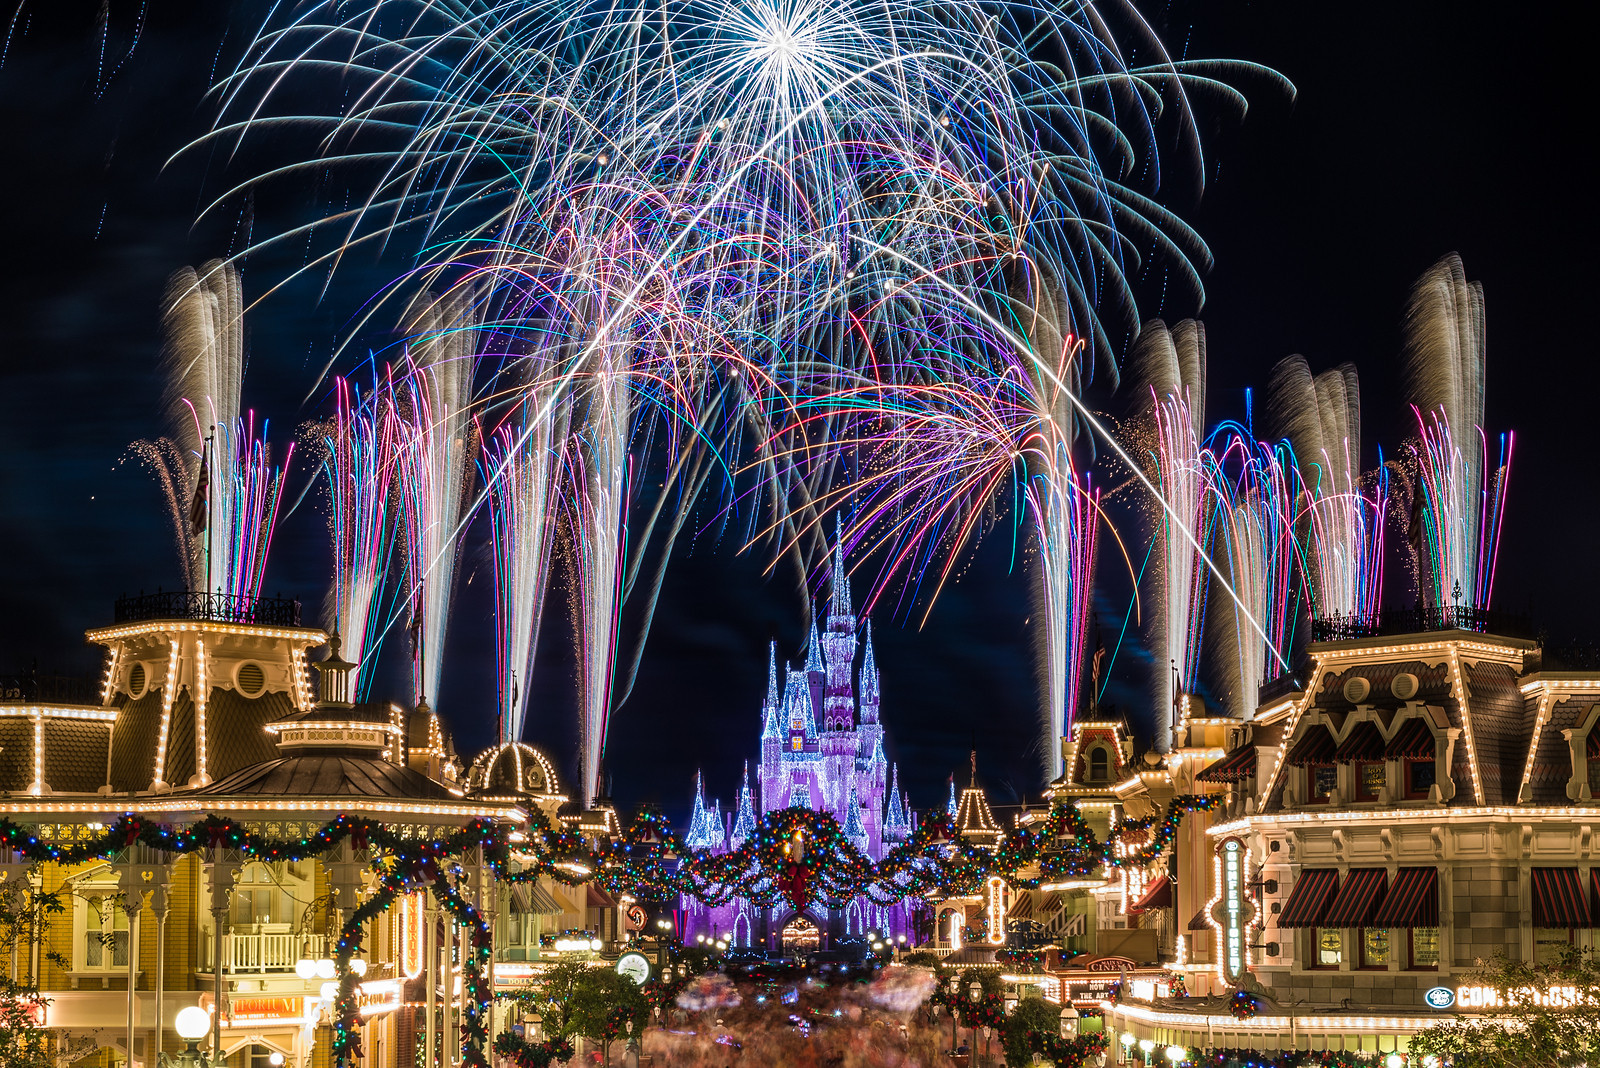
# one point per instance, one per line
(201, 692)
(114, 662)
(37, 787)
(93, 714)
(1464, 703)
(1546, 701)
(305, 636)
(169, 694)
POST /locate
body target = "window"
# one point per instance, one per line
(1374, 947)
(1594, 776)
(254, 1055)
(1371, 779)
(1323, 782)
(259, 899)
(1329, 943)
(105, 938)
(797, 742)
(1425, 947)
(1419, 778)
(1099, 764)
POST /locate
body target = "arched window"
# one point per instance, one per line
(1099, 764)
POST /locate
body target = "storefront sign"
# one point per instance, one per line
(1440, 997)
(1232, 911)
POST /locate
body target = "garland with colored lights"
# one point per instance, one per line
(1243, 1005)
(1022, 959)
(1255, 1058)
(795, 854)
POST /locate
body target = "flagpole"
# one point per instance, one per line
(210, 526)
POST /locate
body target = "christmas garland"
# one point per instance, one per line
(1067, 1052)
(1255, 1058)
(796, 854)
(524, 1054)
(1243, 1005)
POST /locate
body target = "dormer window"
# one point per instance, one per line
(1099, 764)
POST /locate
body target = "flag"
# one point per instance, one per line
(200, 501)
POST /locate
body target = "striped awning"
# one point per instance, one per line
(1021, 906)
(1158, 895)
(1309, 898)
(1593, 747)
(1235, 767)
(1357, 899)
(1594, 884)
(1315, 750)
(1413, 741)
(540, 903)
(1200, 923)
(1413, 900)
(1558, 898)
(1363, 743)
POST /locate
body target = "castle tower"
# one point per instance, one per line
(839, 647)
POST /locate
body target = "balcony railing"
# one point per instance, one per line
(32, 687)
(1420, 619)
(267, 951)
(218, 607)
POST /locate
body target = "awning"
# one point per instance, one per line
(1021, 906)
(1235, 767)
(1309, 898)
(1200, 923)
(541, 903)
(1413, 741)
(1158, 895)
(1593, 746)
(1357, 899)
(1558, 898)
(1413, 900)
(1315, 750)
(1594, 884)
(1363, 743)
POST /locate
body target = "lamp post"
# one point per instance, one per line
(1146, 1047)
(1069, 1020)
(975, 991)
(192, 1024)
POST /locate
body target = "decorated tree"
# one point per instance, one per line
(23, 1043)
(1032, 1015)
(1547, 1015)
(605, 1006)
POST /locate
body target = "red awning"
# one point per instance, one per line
(1594, 884)
(1309, 898)
(1413, 900)
(1593, 746)
(1413, 741)
(1201, 923)
(1314, 750)
(1158, 895)
(1235, 767)
(1363, 743)
(598, 898)
(1558, 898)
(1357, 899)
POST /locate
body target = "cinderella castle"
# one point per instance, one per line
(839, 769)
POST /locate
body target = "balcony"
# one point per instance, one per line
(260, 952)
(216, 607)
(30, 687)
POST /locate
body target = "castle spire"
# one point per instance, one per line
(697, 837)
(841, 607)
(894, 820)
(772, 707)
(814, 647)
(951, 807)
(854, 829)
(744, 824)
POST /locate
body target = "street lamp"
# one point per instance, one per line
(193, 1024)
(1069, 1020)
(1175, 1054)
(1147, 1046)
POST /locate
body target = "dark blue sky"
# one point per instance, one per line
(1418, 129)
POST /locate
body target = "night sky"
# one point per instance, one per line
(1418, 128)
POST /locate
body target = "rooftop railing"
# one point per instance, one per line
(217, 607)
(33, 688)
(1421, 619)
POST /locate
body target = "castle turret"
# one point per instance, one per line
(839, 648)
(854, 828)
(895, 826)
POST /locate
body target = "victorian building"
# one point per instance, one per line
(206, 709)
(1424, 803)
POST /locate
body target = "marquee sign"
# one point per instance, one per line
(1232, 911)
